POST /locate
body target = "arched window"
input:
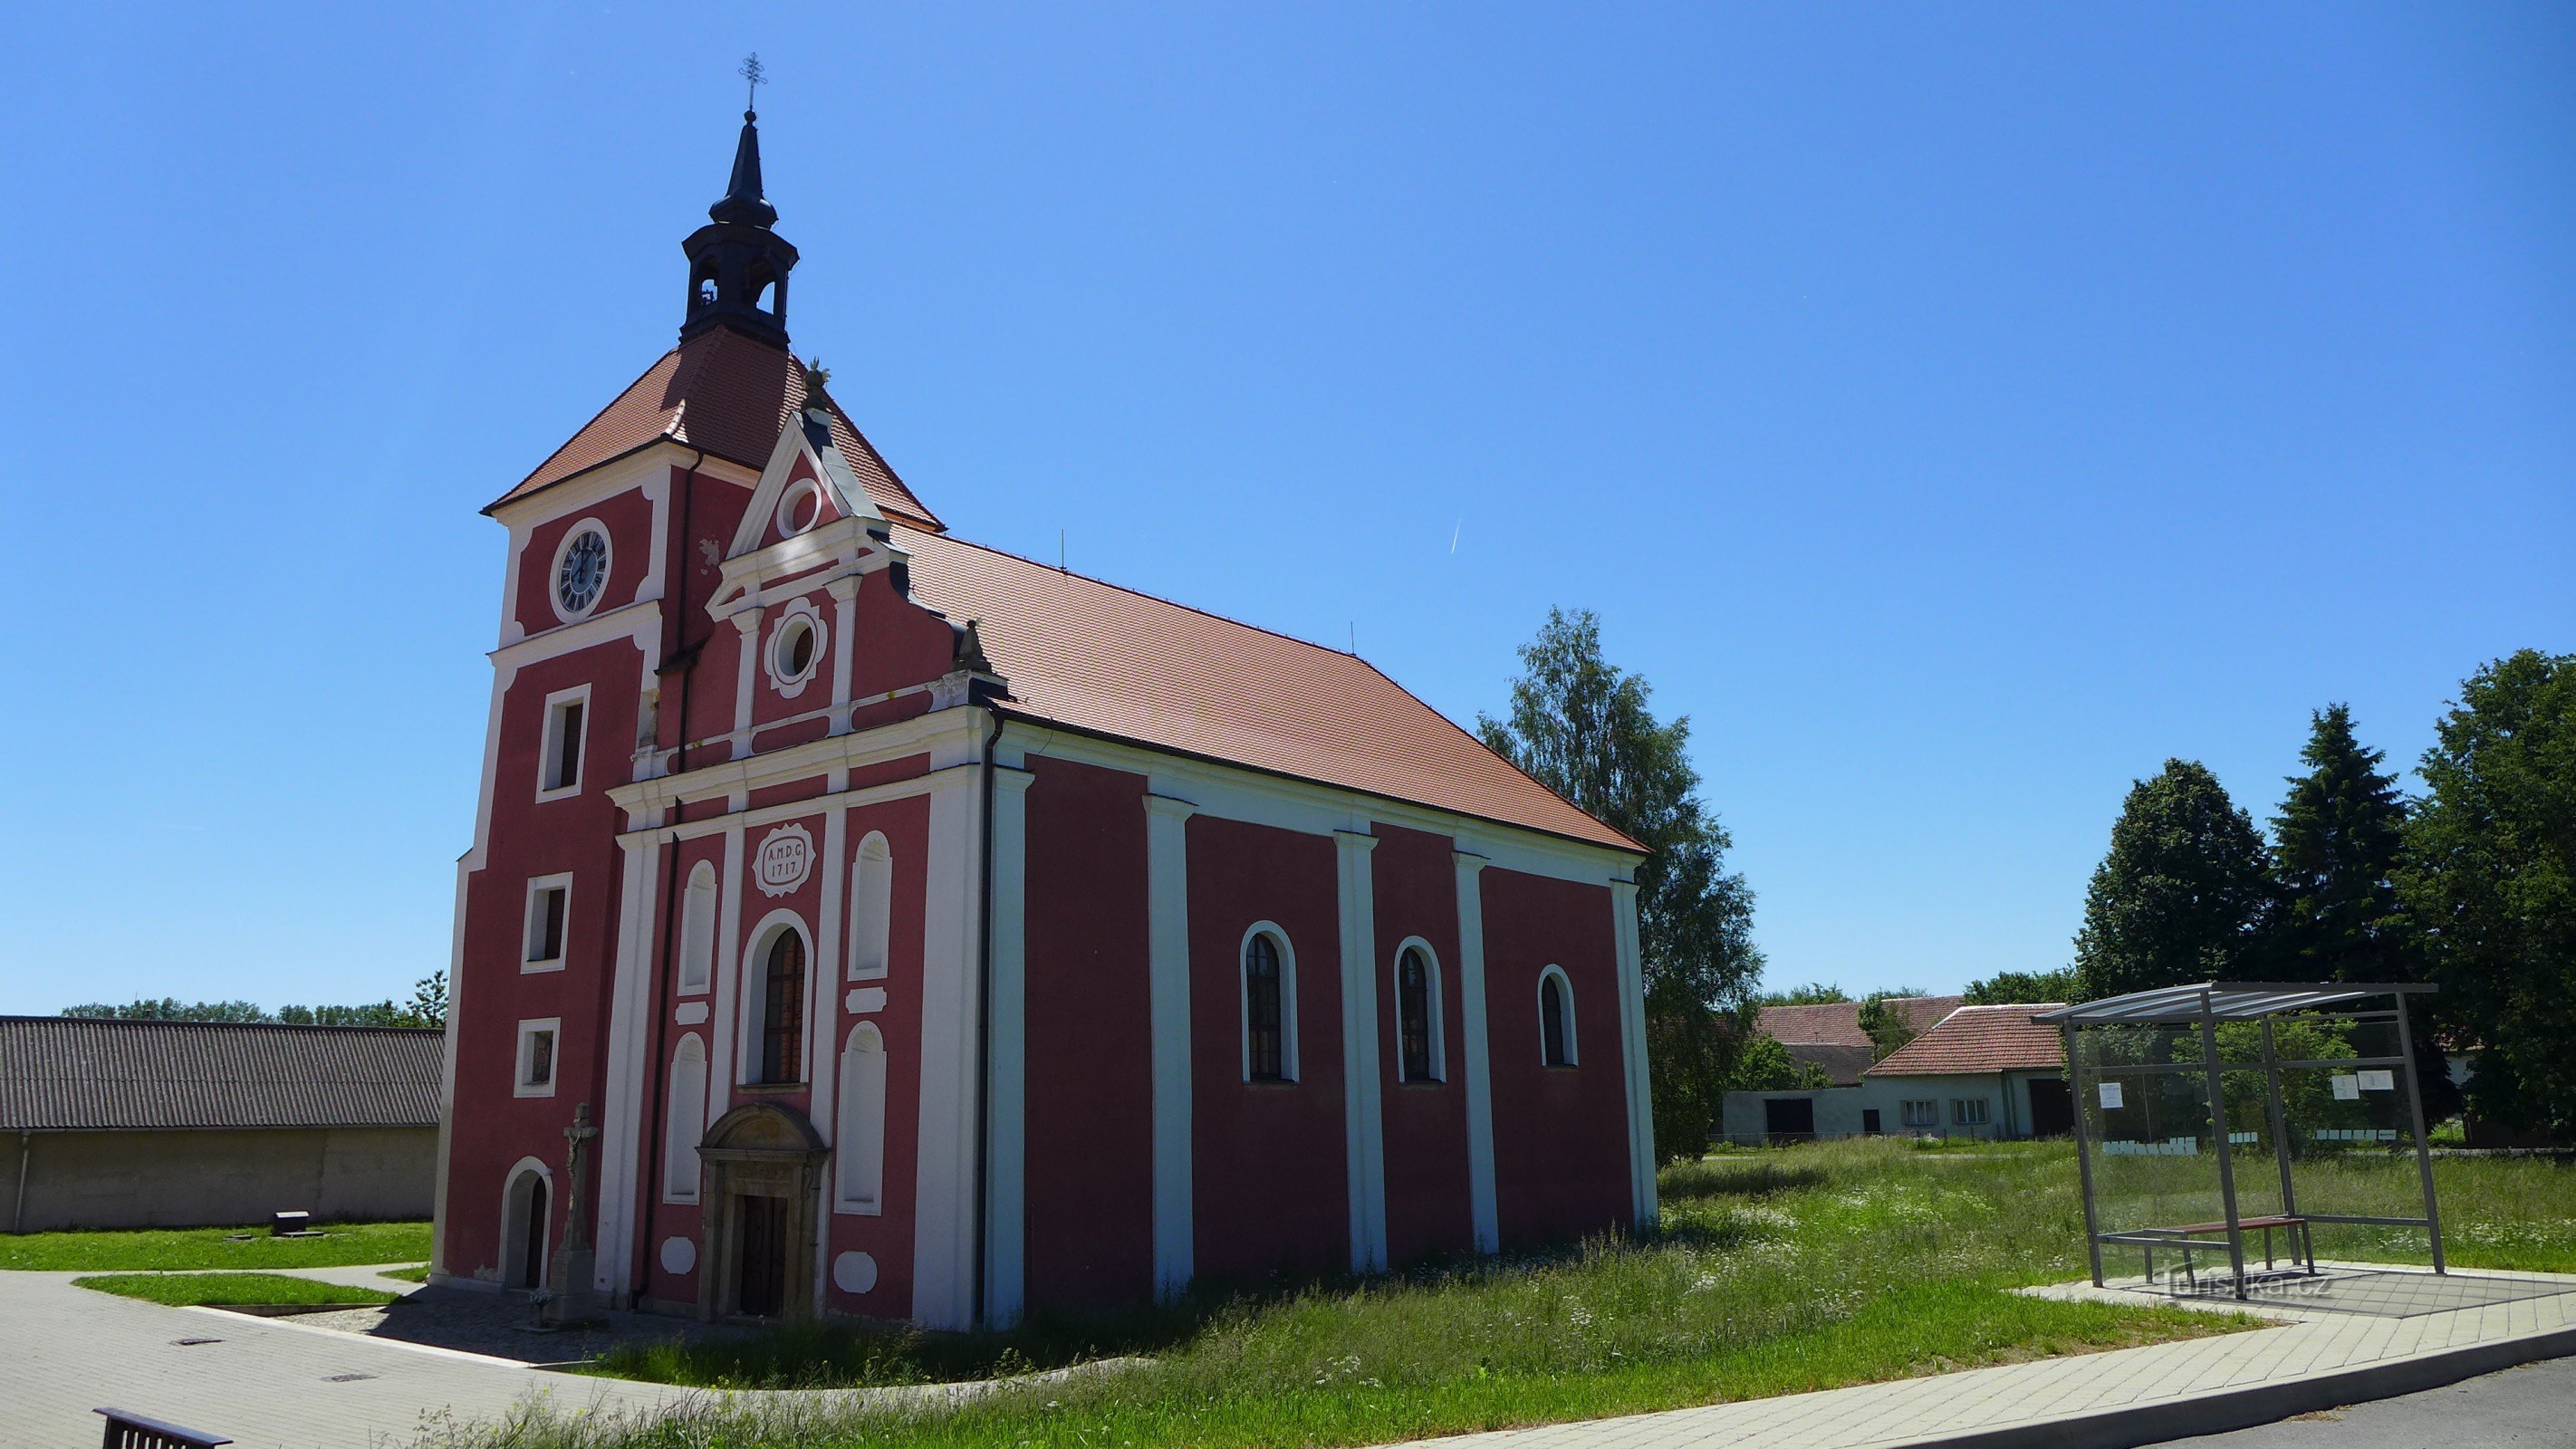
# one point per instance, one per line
(782, 1010)
(686, 1120)
(1269, 1006)
(859, 1175)
(1417, 1015)
(871, 908)
(698, 930)
(1555, 1019)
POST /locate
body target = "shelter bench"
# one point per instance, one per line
(2193, 1236)
(133, 1431)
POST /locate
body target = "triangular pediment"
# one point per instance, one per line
(806, 488)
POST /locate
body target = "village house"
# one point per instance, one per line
(1978, 1071)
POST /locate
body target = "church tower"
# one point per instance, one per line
(738, 265)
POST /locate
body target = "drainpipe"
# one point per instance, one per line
(18, 1212)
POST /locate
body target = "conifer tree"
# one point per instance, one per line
(1580, 726)
(2184, 893)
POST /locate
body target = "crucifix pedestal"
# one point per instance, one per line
(573, 1298)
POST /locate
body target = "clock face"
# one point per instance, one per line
(584, 572)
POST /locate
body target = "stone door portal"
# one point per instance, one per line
(762, 1175)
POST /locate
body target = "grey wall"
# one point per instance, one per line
(218, 1178)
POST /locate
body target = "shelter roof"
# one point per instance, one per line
(1977, 1039)
(61, 1073)
(2223, 1000)
(1098, 659)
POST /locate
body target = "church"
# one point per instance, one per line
(864, 922)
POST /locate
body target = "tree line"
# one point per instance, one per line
(2469, 884)
(426, 1008)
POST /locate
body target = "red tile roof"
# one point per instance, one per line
(730, 395)
(1837, 1023)
(1104, 660)
(1977, 1039)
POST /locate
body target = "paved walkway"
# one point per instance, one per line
(270, 1382)
(266, 1383)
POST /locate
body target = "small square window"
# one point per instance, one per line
(536, 1059)
(1922, 1114)
(1968, 1111)
(549, 900)
(559, 759)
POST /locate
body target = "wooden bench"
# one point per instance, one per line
(2184, 1238)
(133, 1431)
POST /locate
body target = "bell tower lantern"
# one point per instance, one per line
(738, 266)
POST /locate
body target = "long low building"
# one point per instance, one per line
(1981, 1071)
(133, 1124)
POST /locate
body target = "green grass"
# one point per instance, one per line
(156, 1249)
(188, 1288)
(418, 1274)
(1775, 1272)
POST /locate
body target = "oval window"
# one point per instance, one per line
(796, 649)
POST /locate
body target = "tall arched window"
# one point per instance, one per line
(686, 1120)
(1417, 1015)
(1555, 1019)
(871, 908)
(698, 930)
(1268, 1001)
(782, 1011)
(859, 1175)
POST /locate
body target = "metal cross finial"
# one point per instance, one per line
(753, 73)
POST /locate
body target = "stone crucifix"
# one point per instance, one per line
(574, 1266)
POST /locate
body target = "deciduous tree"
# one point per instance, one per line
(1581, 726)
(2184, 893)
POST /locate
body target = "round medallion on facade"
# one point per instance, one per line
(679, 1255)
(786, 857)
(581, 570)
(854, 1272)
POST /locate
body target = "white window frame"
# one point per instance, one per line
(1930, 1116)
(1971, 1112)
(795, 611)
(791, 495)
(701, 903)
(859, 1124)
(1287, 1000)
(1565, 993)
(1437, 1025)
(550, 743)
(679, 1146)
(871, 908)
(754, 993)
(554, 570)
(525, 1057)
(530, 963)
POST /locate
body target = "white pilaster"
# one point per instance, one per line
(1632, 1051)
(624, 1116)
(823, 1025)
(1006, 1103)
(727, 987)
(1363, 1125)
(1167, 910)
(746, 623)
(845, 613)
(945, 1190)
(1481, 1208)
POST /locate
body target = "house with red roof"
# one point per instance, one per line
(1978, 1071)
(864, 921)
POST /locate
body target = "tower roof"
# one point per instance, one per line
(743, 201)
(729, 394)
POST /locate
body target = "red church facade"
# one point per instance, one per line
(936, 935)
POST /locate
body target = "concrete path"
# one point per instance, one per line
(2532, 1407)
(2112, 1400)
(264, 1383)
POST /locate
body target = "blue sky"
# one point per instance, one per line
(1953, 410)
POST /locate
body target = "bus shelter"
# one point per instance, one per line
(2211, 1060)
